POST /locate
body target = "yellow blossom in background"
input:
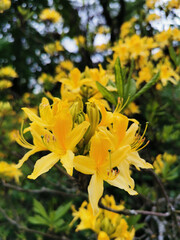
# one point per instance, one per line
(145, 74)
(175, 33)
(152, 17)
(167, 73)
(151, 3)
(53, 48)
(161, 162)
(5, 84)
(107, 225)
(74, 81)
(4, 5)
(102, 47)
(157, 55)
(50, 15)
(173, 4)
(5, 108)
(163, 38)
(8, 71)
(9, 171)
(64, 65)
(44, 77)
(132, 108)
(80, 40)
(103, 29)
(126, 27)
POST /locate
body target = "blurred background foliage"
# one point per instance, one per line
(86, 34)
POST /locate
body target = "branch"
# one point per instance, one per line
(41, 190)
(134, 212)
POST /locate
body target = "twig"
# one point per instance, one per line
(134, 212)
(41, 190)
(64, 172)
(171, 208)
(20, 227)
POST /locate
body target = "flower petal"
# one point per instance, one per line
(84, 164)
(67, 161)
(26, 156)
(44, 164)
(95, 190)
(137, 161)
(119, 155)
(120, 182)
(77, 134)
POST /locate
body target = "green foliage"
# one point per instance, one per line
(52, 219)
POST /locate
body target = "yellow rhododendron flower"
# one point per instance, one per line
(4, 5)
(64, 65)
(173, 4)
(9, 171)
(8, 72)
(112, 149)
(53, 48)
(75, 81)
(5, 84)
(107, 225)
(61, 138)
(44, 77)
(152, 17)
(50, 15)
(80, 40)
(132, 108)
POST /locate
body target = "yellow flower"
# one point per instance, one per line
(132, 108)
(126, 27)
(103, 236)
(152, 17)
(80, 40)
(145, 74)
(4, 5)
(8, 72)
(5, 108)
(163, 38)
(64, 65)
(107, 225)
(151, 3)
(52, 48)
(116, 148)
(5, 84)
(60, 140)
(173, 4)
(50, 15)
(75, 81)
(167, 73)
(44, 77)
(157, 55)
(10, 171)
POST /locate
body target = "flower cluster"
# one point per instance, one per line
(107, 225)
(96, 142)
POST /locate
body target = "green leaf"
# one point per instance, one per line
(37, 219)
(146, 87)
(128, 91)
(119, 78)
(131, 88)
(173, 55)
(62, 210)
(38, 208)
(106, 94)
